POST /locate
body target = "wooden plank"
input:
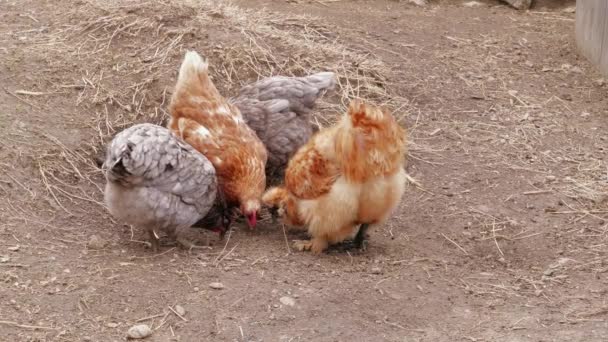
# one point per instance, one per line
(590, 27)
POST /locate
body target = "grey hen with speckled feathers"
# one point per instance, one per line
(157, 182)
(278, 110)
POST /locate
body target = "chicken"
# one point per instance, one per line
(278, 110)
(157, 182)
(214, 127)
(347, 175)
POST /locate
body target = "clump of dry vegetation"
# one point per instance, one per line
(120, 62)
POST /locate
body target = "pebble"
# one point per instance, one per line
(95, 242)
(4, 258)
(216, 286)
(139, 331)
(180, 310)
(472, 4)
(14, 248)
(376, 270)
(550, 178)
(577, 70)
(288, 301)
(571, 9)
(112, 325)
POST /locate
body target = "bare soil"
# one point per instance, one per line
(505, 240)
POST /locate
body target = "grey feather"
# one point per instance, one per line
(163, 189)
(278, 110)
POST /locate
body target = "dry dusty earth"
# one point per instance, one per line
(505, 241)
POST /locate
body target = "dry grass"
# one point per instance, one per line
(123, 60)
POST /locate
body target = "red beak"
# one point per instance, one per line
(252, 220)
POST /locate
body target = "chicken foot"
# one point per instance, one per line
(154, 241)
(184, 242)
(358, 242)
(187, 244)
(316, 245)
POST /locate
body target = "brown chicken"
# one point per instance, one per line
(214, 127)
(347, 175)
(278, 110)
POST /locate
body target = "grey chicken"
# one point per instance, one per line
(278, 110)
(157, 182)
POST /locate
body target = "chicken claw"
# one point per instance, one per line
(316, 245)
(154, 243)
(302, 245)
(189, 245)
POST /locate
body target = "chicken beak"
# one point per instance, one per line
(252, 220)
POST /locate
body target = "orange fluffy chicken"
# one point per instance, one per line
(347, 175)
(214, 127)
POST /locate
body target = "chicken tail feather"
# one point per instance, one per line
(323, 80)
(193, 83)
(192, 66)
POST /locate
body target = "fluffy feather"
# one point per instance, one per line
(157, 182)
(214, 127)
(278, 110)
(346, 175)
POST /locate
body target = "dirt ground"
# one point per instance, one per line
(506, 240)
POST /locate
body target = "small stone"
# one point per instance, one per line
(472, 4)
(576, 70)
(112, 325)
(139, 331)
(4, 258)
(376, 270)
(585, 114)
(529, 64)
(95, 242)
(600, 82)
(287, 301)
(216, 286)
(180, 310)
(570, 9)
(519, 4)
(550, 178)
(14, 248)
(196, 289)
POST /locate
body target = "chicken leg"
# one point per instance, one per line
(153, 239)
(359, 241)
